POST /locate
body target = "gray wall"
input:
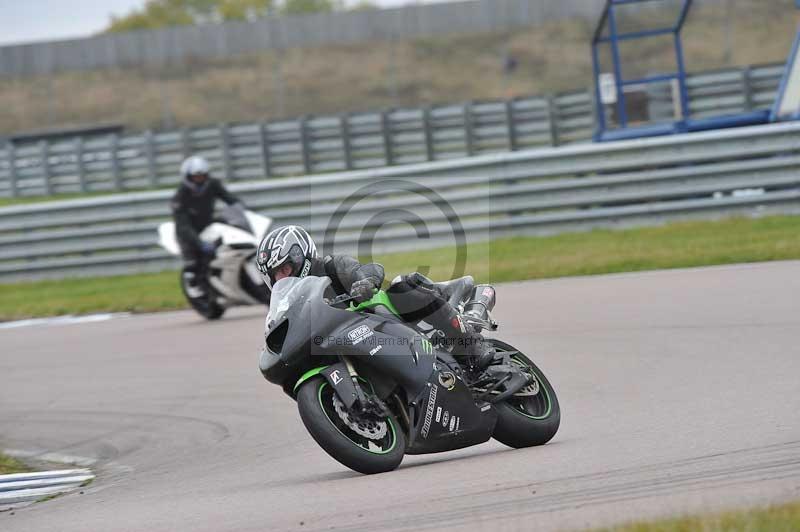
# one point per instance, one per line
(159, 48)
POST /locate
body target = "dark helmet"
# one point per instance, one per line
(289, 244)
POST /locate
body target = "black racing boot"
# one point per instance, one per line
(476, 347)
(418, 298)
(465, 340)
(484, 356)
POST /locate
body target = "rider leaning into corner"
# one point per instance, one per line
(193, 211)
(290, 252)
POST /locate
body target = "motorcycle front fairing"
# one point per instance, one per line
(298, 322)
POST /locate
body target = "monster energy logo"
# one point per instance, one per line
(427, 347)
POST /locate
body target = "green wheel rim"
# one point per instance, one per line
(332, 422)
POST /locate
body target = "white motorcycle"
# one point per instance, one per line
(228, 277)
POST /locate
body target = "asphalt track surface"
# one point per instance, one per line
(679, 393)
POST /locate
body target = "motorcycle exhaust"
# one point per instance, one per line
(480, 305)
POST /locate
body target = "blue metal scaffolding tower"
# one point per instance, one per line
(609, 33)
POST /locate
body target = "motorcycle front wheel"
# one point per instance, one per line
(364, 443)
(205, 306)
(531, 416)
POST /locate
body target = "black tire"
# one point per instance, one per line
(206, 307)
(213, 312)
(315, 402)
(527, 421)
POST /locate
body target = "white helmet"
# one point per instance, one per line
(195, 165)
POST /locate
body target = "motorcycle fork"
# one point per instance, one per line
(361, 397)
(403, 413)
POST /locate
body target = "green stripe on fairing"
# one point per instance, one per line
(307, 375)
(380, 298)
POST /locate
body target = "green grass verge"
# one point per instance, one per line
(779, 518)
(10, 465)
(133, 293)
(597, 252)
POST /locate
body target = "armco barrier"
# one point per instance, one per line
(753, 170)
(19, 489)
(245, 152)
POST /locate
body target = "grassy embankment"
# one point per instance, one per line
(597, 252)
(10, 465)
(334, 79)
(778, 518)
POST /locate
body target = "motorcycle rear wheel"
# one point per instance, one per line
(527, 421)
(316, 403)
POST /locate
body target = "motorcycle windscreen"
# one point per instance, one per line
(287, 295)
(298, 313)
(235, 215)
(284, 294)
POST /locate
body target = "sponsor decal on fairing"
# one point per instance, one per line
(359, 334)
(426, 427)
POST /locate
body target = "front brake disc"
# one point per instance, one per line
(372, 429)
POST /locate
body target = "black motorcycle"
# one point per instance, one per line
(372, 388)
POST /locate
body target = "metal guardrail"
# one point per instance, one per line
(738, 171)
(245, 152)
(23, 488)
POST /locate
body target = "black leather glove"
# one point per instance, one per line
(363, 290)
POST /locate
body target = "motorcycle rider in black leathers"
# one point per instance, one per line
(193, 210)
(289, 251)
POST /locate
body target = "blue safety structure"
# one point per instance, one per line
(608, 33)
(787, 103)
